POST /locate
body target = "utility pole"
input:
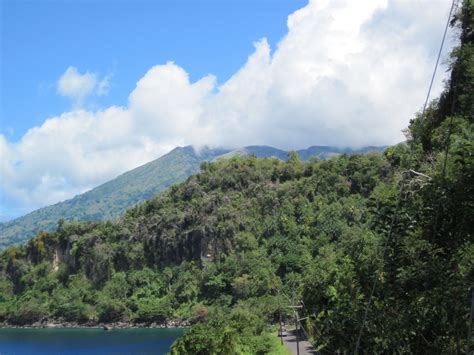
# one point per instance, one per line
(281, 329)
(471, 315)
(295, 313)
(294, 306)
(297, 335)
(280, 325)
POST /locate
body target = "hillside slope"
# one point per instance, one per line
(322, 152)
(225, 248)
(111, 199)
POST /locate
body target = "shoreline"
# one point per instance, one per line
(105, 326)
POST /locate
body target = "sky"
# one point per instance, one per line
(91, 89)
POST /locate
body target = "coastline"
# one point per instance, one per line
(94, 325)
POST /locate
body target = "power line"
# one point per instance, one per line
(453, 5)
(443, 180)
(376, 276)
(395, 215)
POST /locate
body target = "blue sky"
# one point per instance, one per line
(91, 89)
(123, 39)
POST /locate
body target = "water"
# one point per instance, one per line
(87, 341)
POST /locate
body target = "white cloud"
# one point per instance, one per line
(347, 73)
(75, 85)
(78, 86)
(167, 106)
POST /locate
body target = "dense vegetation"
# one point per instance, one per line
(227, 248)
(254, 219)
(111, 199)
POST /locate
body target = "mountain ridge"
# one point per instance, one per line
(112, 198)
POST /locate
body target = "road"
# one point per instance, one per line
(305, 346)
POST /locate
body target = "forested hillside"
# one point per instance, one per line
(378, 242)
(230, 234)
(111, 199)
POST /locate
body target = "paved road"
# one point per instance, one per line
(305, 346)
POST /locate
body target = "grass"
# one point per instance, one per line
(277, 348)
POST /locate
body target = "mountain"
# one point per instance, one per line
(111, 199)
(322, 152)
(325, 152)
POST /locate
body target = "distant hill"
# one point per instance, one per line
(322, 152)
(112, 198)
(325, 152)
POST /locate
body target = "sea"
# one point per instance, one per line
(87, 341)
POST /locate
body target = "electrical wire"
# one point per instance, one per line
(395, 215)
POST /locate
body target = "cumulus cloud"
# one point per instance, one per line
(347, 73)
(78, 86)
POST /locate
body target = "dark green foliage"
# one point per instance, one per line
(110, 200)
(239, 331)
(227, 247)
(153, 310)
(216, 249)
(232, 233)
